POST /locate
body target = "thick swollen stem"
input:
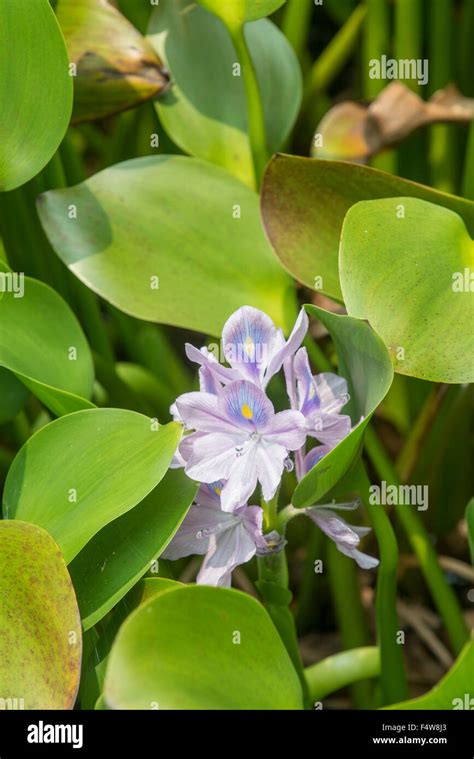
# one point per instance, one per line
(273, 588)
(339, 671)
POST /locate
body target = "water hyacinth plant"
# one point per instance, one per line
(236, 288)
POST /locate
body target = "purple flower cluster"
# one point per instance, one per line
(237, 441)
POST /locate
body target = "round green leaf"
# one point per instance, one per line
(115, 559)
(205, 111)
(160, 238)
(147, 588)
(365, 364)
(35, 90)
(61, 376)
(304, 202)
(400, 262)
(117, 67)
(234, 13)
(198, 647)
(85, 469)
(97, 645)
(454, 691)
(40, 628)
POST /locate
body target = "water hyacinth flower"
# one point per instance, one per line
(253, 347)
(320, 399)
(239, 438)
(237, 441)
(227, 539)
(346, 536)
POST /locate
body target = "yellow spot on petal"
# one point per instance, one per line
(247, 411)
(217, 491)
(249, 346)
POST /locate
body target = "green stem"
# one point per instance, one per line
(270, 509)
(408, 33)
(339, 671)
(376, 43)
(410, 452)
(443, 595)
(443, 153)
(313, 587)
(295, 25)
(273, 588)
(350, 614)
(393, 680)
(408, 46)
(335, 56)
(465, 49)
(255, 113)
(468, 181)
(284, 517)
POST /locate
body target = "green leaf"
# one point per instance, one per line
(366, 365)
(176, 224)
(84, 470)
(470, 527)
(160, 658)
(398, 262)
(97, 645)
(35, 90)
(13, 395)
(116, 557)
(205, 111)
(235, 13)
(454, 691)
(304, 202)
(40, 628)
(61, 376)
(117, 67)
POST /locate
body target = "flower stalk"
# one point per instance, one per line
(273, 588)
(255, 113)
(393, 680)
